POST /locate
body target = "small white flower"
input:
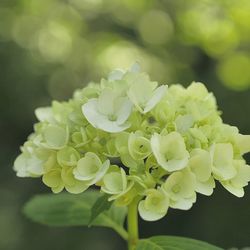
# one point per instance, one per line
(143, 93)
(109, 112)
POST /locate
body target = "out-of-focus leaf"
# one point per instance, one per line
(173, 243)
(73, 210)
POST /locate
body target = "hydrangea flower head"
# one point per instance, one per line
(137, 139)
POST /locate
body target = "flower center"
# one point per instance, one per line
(176, 188)
(112, 118)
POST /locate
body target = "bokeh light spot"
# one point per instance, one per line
(55, 42)
(234, 71)
(155, 27)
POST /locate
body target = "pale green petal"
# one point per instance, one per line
(197, 90)
(78, 188)
(106, 102)
(45, 114)
(68, 156)
(184, 122)
(102, 171)
(71, 184)
(53, 180)
(121, 142)
(55, 137)
(138, 146)
(89, 167)
(154, 207)
(57, 189)
(222, 155)
(155, 98)
(129, 162)
(183, 204)
(129, 187)
(67, 176)
(126, 198)
(200, 163)
(35, 166)
(243, 142)
(28, 166)
(20, 166)
(243, 174)
(236, 184)
(180, 185)
(124, 111)
(114, 182)
(239, 192)
(170, 151)
(205, 188)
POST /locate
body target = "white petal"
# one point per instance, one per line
(35, 166)
(101, 172)
(101, 121)
(124, 111)
(20, 166)
(157, 96)
(44, 114)
(90, 111)
(113, 127)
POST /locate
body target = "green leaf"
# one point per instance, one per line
(73, 210)
(102, 204)
(173, 243)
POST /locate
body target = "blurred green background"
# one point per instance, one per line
(50, 47)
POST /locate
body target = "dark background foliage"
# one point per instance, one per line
(48, 48)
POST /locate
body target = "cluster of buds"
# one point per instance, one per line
(133, 138)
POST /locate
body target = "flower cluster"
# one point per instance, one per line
(136, 139)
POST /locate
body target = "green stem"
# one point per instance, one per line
(132, 221)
